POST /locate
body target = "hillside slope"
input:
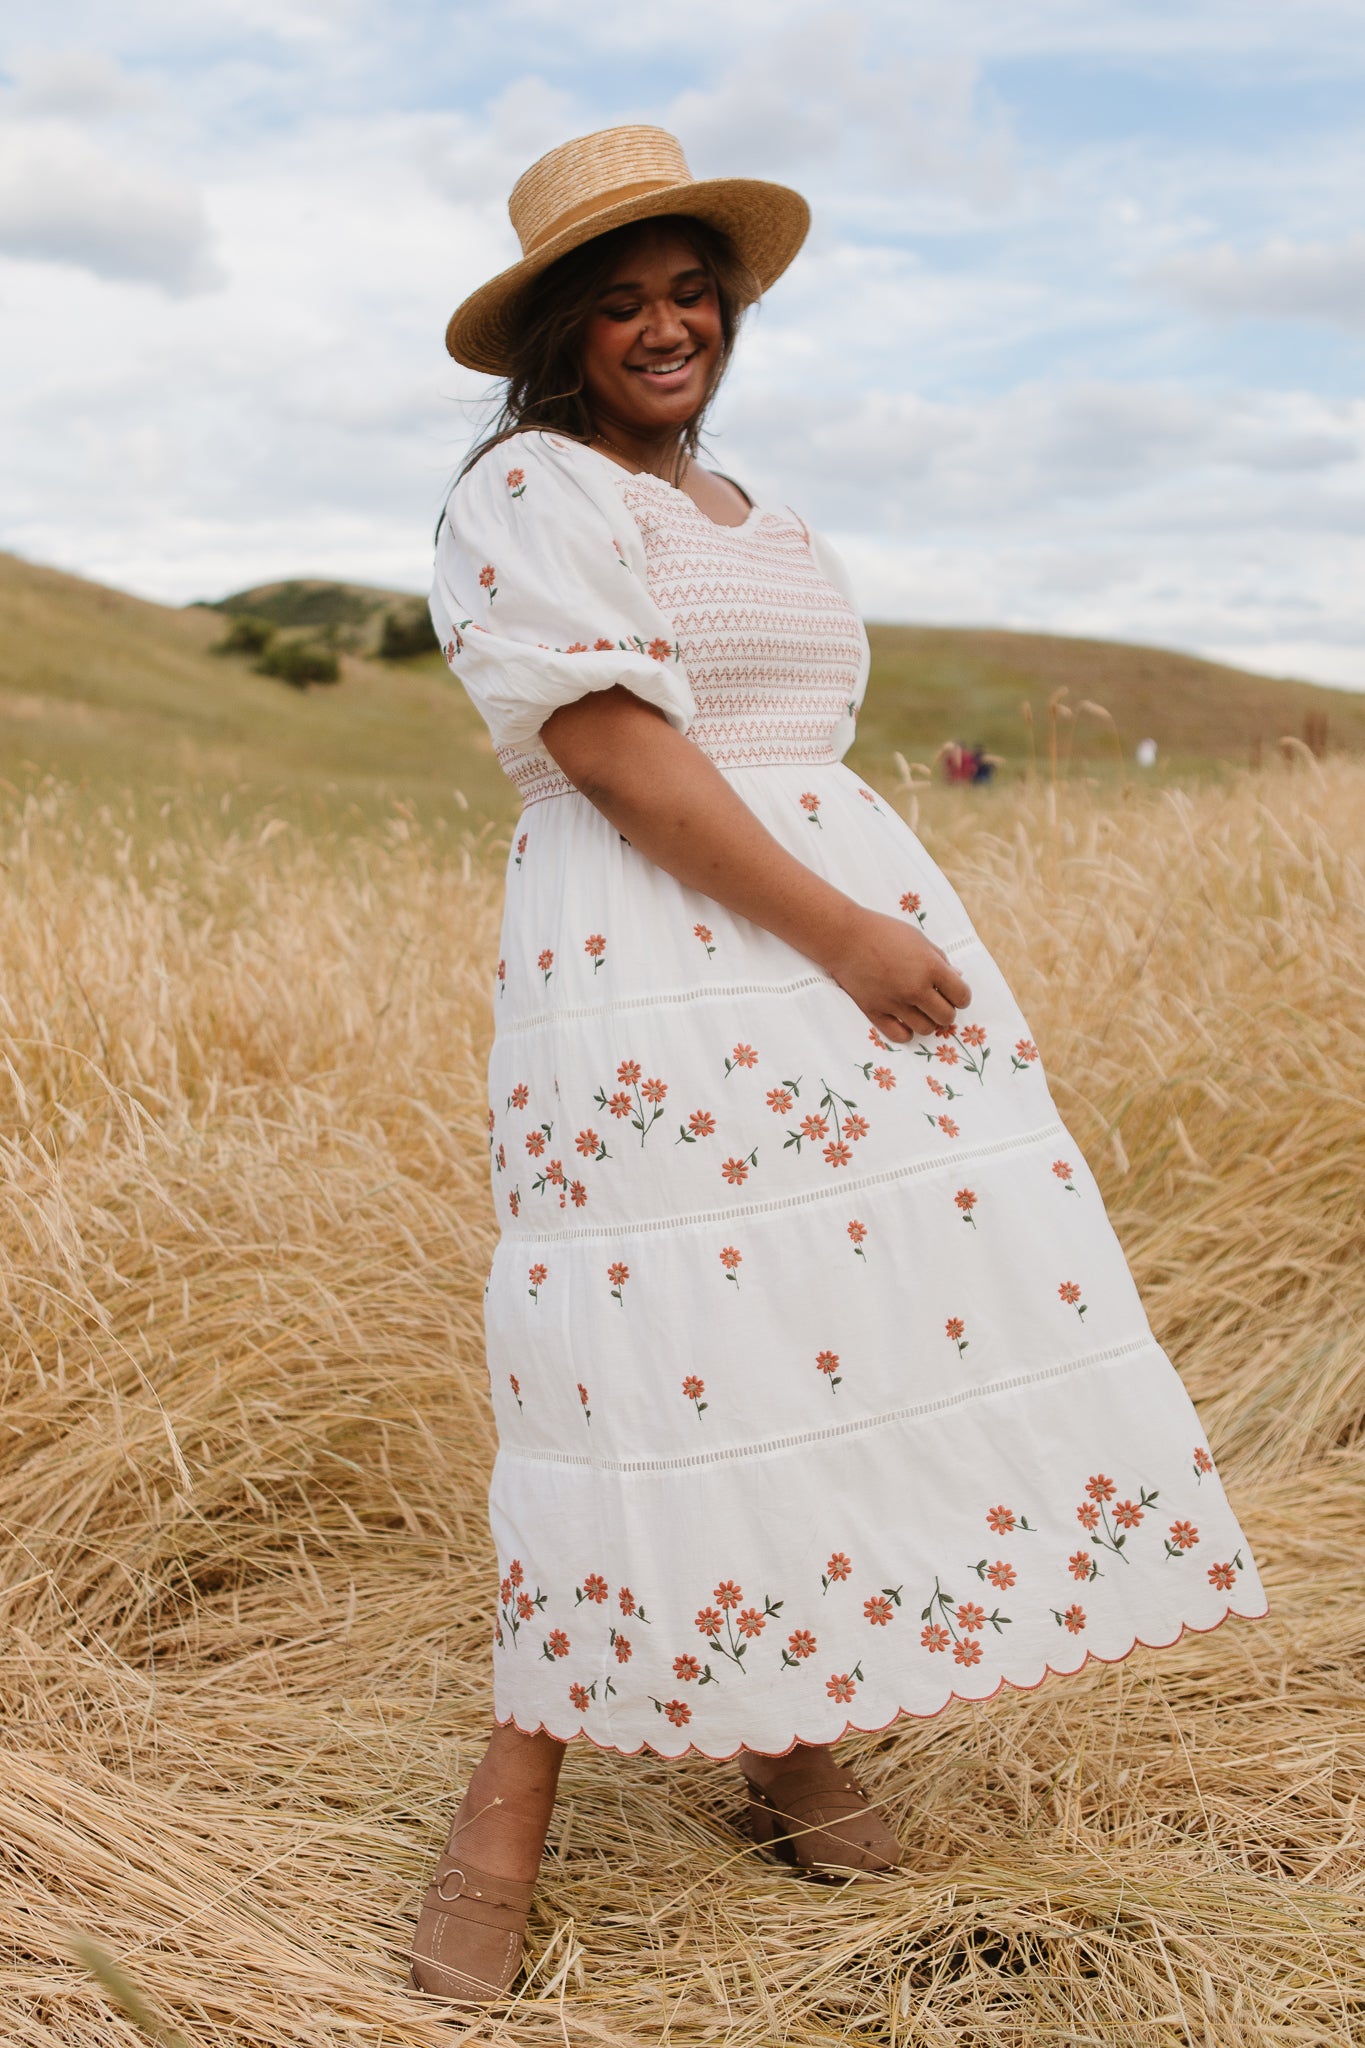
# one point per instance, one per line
(103, 687)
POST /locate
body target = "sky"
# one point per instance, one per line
(1076, 342)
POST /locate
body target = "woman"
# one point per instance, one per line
(823, 1391)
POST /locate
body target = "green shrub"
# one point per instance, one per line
(405, 633)
(246, 634)
(299, 663)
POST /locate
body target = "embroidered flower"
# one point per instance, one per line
(1001, 1520)
(1100, 1488)
(731, 1258)
(686, 1668)
(855, 1127)
(515, 1384)
(810, 804)
(603, 646)
(579, 1695)
(1202, 1461)
(617, 1274)
(626, 1600)
(1001, 1574)
(619, 1104)
(954, 1328)
(710, 1621)
(727, 1594)
(801, 1643)
(1074, 1619)
(910, 902)
(973, 1034)
(780, 1101)
(595, 947)
(654, 1091)
(836, 1154)
(884, 1077)
(693, 1389)
(1025, 1053)
(946, 1053)
(622, 1648)
(933, 1637)
(1223, 1577)
(1127, 1514)
(526, 1606)
(840, 1687)
(736, 1171)
(545, 962)
(947, 1126)
(678, 1712)
(595, 1588)
(659, 650)
(828, 1362)
(968, 1651)
(970, 1616)
(858, 1233)
(1184, 1535)
(588, 1142)
(751, 1621)
(1079, 1564)
(515, 1572)
(966, 1202)
(516, 482)
(578, 647)
(578, 1194)
(744, 1056)
(838, 1567)
(877, 1610)
(488, 580)
(703, 932)
(1088, 1515)
(628, 1072)
(702, 1124)
(559, 1643)
(535, 1143)
(519, 1097)
(583, 1398)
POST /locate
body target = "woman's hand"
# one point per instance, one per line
(899, 979)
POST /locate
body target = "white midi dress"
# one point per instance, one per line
(823, 1391)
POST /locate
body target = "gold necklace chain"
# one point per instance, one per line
(616, 449)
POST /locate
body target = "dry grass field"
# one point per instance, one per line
(245, 1595)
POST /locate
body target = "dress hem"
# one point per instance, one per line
(852, 1727)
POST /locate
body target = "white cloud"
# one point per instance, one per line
(66, 199)
(1285, 280)
(80, 83)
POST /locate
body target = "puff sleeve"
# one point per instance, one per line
(540, 592)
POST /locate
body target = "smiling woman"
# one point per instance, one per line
(805, 1298)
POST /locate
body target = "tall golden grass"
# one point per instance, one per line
(246, 1577)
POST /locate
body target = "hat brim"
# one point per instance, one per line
(767, 224)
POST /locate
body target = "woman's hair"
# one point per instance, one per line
(545, 380)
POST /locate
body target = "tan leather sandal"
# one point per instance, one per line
(823, 1830)
(467, 1948)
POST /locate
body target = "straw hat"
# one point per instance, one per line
(601, 181)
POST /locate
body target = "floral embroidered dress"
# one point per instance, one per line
(823, 1390)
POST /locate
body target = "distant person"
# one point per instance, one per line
(805, 1299)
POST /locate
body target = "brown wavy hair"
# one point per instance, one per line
(545, 383)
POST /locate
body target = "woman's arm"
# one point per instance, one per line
(673, 804)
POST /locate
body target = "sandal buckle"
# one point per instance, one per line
(448, 1898)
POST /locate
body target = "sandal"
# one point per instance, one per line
(467, 1948)
(823, 1830)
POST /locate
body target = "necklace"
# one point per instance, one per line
(616, 449)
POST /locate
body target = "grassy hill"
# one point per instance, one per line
(106, 688)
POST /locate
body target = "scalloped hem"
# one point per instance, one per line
(901, 1714)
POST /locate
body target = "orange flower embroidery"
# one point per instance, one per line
(731, 1258)
(583, 1398)
(516, 482)
(810, 804)
(1074, 1619)
(603, 646)
(1223, 1577)
(954, 1328)
(536, 1276)
(1088, 1515)
(618, 1274)
(1202, 1462)
(519, 1097)
(559, 1642)
(686, 1668)
(678, 1712)
(840, 1687)
(703, 932)
(1100, 1488)
(801, 1643)
(968, 1651)
(578, 647)
(828, 1362)
(877, 1610)
(855, 1127)
(910, 902)
(966, 1202)
(947, 1126)
(659, 650)
(780, 1101)
(727, 1594)
(1184, 1535)
(837, 1154)
(946, 1053)
(1071, 1293)
(626, 1600)
(1024, 1054)
(545, 961)
(654, 1091)
(595, 1588)
(838, 1568)
(1001, 1520)
(535, 1143)
(1127, 1514)
(933, 1637)
(595, 946)
(742, 1056)
(736, 1171)
(884, 1077)
(515, 1384)
(1080, 1564)
(974, 1034)
(970, 1616)
(488, 579)
(588, 1142)
(526, 1606)
(702, 1124)
(751, 1621)
(622, 1648)
(710, 1621)
(579, 1696)
(694, 1388)
(515, 1572)
(1001, 1574)
(858, 1232)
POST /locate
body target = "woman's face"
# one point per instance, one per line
(653, 343)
